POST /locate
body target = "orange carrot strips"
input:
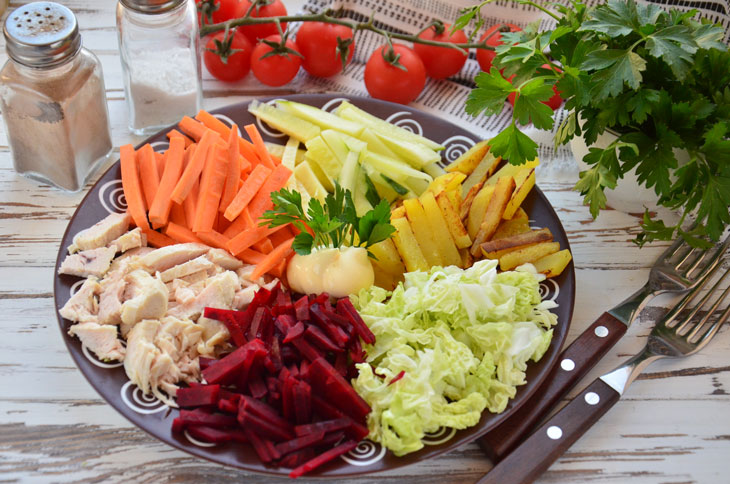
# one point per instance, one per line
(248, 151)
(211, 122)
(190, 204)
(181, 234)
(264, 245)
(261, 202)
(192, 128)
(259, 146)
(247, 238)
(173, 133)
(241, 223)
(244, 164)
(272, 259)
(177, 215)
(148, 173)
(156, 239)
(213, 239)
(211, 190)
(131, 186)
(248, 191)
(250, 256)
(162, 203)
(277, 238)
(234, 170)
(161, 159)
(194, 167)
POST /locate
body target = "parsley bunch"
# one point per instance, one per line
(333, 224)
(658, 79)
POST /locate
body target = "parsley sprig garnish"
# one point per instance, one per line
(332, 224)
(659, 79)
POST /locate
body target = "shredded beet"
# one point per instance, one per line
(284, 389)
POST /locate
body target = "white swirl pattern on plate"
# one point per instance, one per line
(444, 434)
(197, 442)
(111, 196)
(549, 290)
(331, 103)
(75, 287)
(163, 145)
(96, 362)
(408, 124)
(366, 453)
(145, 404)
(454, 147)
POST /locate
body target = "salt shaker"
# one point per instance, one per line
(52, 97)
(158, 43)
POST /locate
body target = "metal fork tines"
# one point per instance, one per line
(683, 331)
(680, 268)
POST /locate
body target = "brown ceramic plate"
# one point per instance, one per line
(155, 418)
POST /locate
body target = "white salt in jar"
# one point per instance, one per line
(158, 44)
(52, 97)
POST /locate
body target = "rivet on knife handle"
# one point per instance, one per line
(574, 362)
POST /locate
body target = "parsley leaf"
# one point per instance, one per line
(529, 105)
(614, 68)
(490, 94)
(513, 145)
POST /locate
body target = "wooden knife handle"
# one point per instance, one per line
(533, 456)
(574, 362)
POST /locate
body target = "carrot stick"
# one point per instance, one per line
(194, 167)
(162, 203)
(278, 271)
(177, 215)
(277, 238)
(248, 151)
(241, 223)
(248, 191)
(180, 233)
(211, 190)
(161, 159)
(264, 245)
(148, 174)
(191, 128)
(213, 239)
(131, 186)
(261, 202)
(234, 170)
(173, 133)
(211, 122)
(272, 259)
(156, 239)
(259, 146)
(250, 256)
(244, 164)
(190, 204)
(247, 238)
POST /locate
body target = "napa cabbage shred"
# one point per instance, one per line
(450, 343)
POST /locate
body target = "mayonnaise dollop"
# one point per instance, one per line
(337, 271)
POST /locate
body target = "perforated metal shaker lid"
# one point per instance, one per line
(151, 6)
(41, 34)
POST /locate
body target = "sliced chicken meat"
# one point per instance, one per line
(130, 257)
(198, 264)
(145, 298)
(101, 233)
(101, 339)
(92, 262)
(223, 259)
(83, 306)
(161, 259)
(218, 293)
(131, 240)
(111, 299)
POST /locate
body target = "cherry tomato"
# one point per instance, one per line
(261, 31)
(554, 102)
(278, 69)
(486, 57)
(236, 65)
(386, 81)
(214, 11)
(441, 62)
(317, 41)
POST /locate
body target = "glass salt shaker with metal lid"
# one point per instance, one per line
(52, 97)
(158, 43)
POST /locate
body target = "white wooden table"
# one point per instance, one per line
(673, 424)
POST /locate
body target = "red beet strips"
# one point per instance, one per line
(284, 389)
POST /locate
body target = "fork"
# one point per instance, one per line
(678, 334)
(680, 268)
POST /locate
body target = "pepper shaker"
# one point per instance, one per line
(158, 44)
(52, 97)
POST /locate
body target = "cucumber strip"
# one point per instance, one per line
(416, 154)
(395, 169)
(286, 123)
(375, 144)
(399, 189)
(306, 176)
(351, 112)
(371, 193)
(362, 205)
(318, 151)
(434, 169)
(323, 119)
(348, 175)
(289, 156)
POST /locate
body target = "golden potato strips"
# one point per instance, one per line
(454, 197)
(467, 162)
(398, 212)
(407, 246)
(453, 221)
(531, 237)
(440, 231)
(498, 254)
(518, 224)
(525, 181)
(468, 200)
(385, 279)
(497, 203)
(511, 170)
(478, 210)
(485, 168)
(553, 265)
(466, 259)
(422, 231)
(446, 182)
(531, 253)
(388, 257)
